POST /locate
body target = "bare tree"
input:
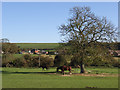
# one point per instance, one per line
(84, 30)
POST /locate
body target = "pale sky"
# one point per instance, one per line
(38, 22)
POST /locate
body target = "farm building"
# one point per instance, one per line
(115, 52)
(35, 51)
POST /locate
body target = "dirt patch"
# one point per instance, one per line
(86, 74)
(66, 75)
(100, 75)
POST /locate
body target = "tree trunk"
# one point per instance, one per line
(82, 68)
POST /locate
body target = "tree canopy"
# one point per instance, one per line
(85, 32)
(9, 48)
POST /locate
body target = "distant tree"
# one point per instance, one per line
(84, 34)
(4, 40)
(9, 48)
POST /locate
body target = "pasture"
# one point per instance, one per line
(37, 78)
(21, 55)
(38, 45)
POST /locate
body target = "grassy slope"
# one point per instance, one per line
(38, 45)
(20, 55)
(35, 78)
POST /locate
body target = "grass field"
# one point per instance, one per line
(20, 55)
(37, 78)
(38, 45)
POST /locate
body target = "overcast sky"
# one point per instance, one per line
(29, 22)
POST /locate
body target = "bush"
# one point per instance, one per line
(9, 61)
(9, 48)
(46, 62)
(18, 62)
(6, 58)
(115, 63)
(97, 61)
(60, 60)
(106, 62)
(28, 60)
(27, 57)
(34, 61)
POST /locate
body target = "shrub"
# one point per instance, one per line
(34, 61)
(97, 61)
(60, 60)
(46, 62)
(115, 63)
(27, 57)
(6, 58)
(18, 62)
(9, 48)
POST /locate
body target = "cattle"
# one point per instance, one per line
(64, 68)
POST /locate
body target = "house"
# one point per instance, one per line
(118, 52)
(1, 52)
(35, 51)
(24, 52)
(43, 52)
(115, 52)
(55, 53)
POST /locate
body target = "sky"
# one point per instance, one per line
(38, 22)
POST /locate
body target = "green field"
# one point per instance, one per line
(37, 78)
(21, 55)
(38, 45)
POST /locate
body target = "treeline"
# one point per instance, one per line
(94, 61)
(10, 48)
(8, 60)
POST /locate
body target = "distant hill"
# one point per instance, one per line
(55, 45)
(38, 45)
